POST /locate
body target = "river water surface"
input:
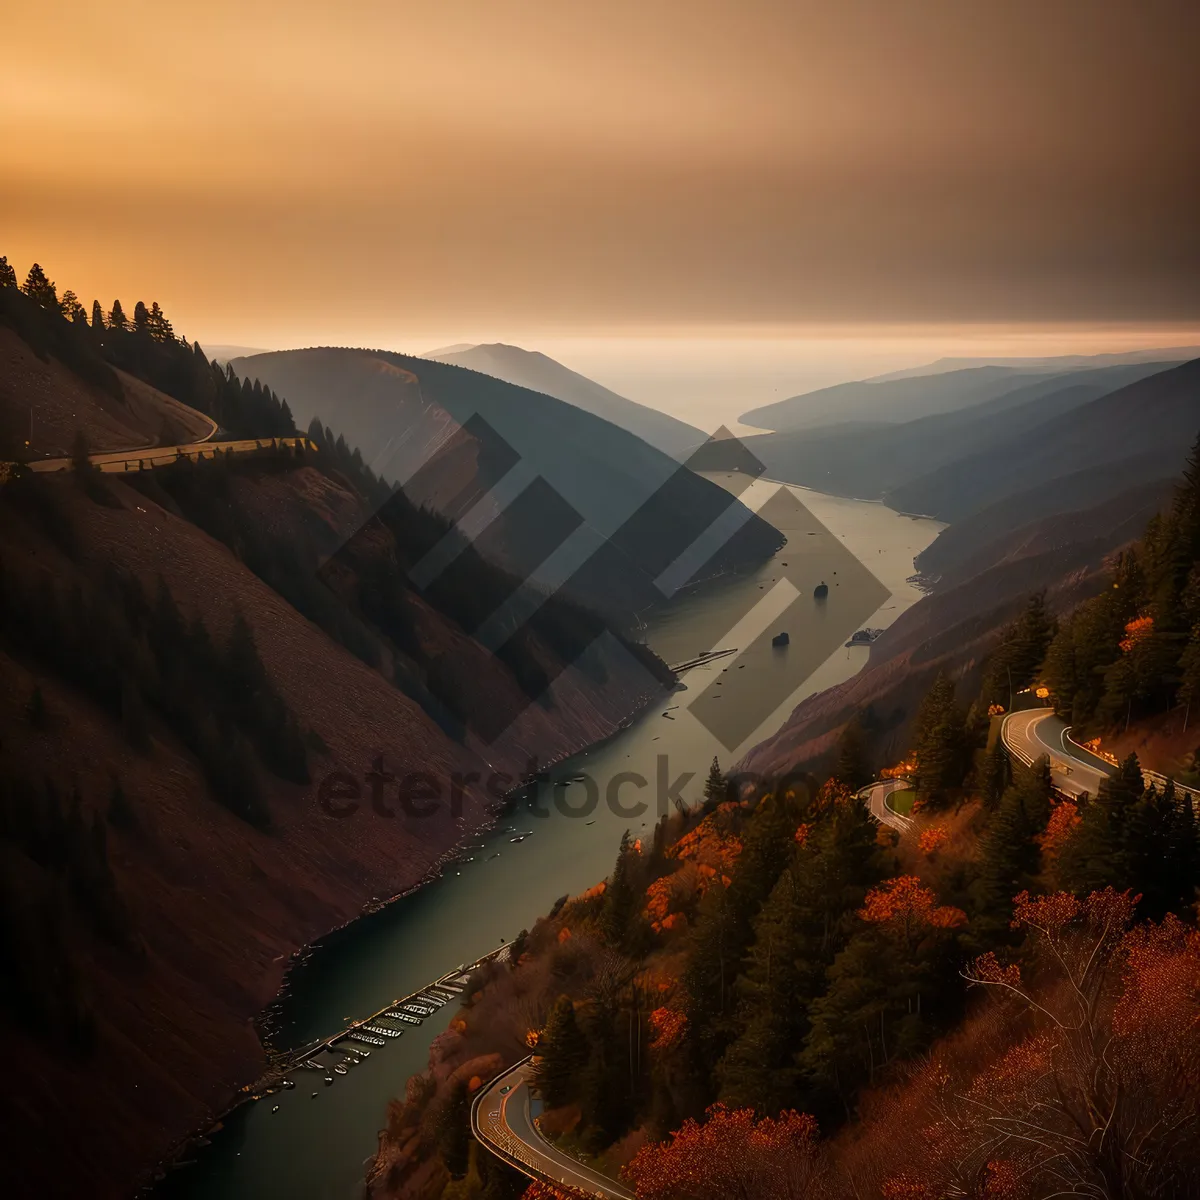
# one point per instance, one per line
(316, 1149)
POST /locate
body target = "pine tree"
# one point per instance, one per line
(97, 317)
(141, 318)
(1023, 645)
(1010, 857)
(116, 317)
(8, 277)
(852, 768)
(997, 773)
(620, 897)
(939, 743)
(1101, 854)
(716, 788)
(782, 973)
(1189, 671)
(886, 991)
(606, 1086)
(725, 927)
(805, 922)
(1186, 510)
(158, 326)
(562, 1054)
(70, 308)
(39, 289)
(1059, 671)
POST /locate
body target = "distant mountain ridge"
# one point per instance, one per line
(518, 463)
(890, 400)
(943, 386)
(870, 462)
(1157, 415)
(1064, 362)
(540, 373)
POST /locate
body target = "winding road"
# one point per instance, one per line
(1038, 733)
(502, 1121)
(119, 462)
(876, 794)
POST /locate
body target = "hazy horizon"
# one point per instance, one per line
(710, 379)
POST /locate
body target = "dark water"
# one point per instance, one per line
(315, 1149)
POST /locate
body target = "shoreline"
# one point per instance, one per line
(246, 1094)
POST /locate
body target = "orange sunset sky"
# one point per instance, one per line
(276, 173)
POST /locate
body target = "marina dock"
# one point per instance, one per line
(375, 1030)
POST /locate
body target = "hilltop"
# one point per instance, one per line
(540, 373)
(567, 497)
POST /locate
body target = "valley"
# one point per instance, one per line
(496, 888)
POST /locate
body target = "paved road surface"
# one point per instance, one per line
(122, 461)
(876, 795)
(1038, 733)
(502, 1121)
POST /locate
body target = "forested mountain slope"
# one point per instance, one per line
(455, 437)
(1153, 416)
(952, 629)
(187, 655)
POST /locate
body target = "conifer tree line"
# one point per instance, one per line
(1130, 652)
(145, 345)
(801, 979)
(142, 661)
(816, 965)
(1126, 653)
(814, 968)
(1134, 650)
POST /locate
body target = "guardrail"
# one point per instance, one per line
(1149, 778)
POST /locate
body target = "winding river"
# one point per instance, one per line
(316, 1148)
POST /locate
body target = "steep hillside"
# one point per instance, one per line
(968, 541)
(43, 405)
(539, 373)
(1156, 415)
(586, 505)
(186, 657)
(955, 627)
(871, 462)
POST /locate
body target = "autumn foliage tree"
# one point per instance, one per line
(731, 1156)
(1100, 1096)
